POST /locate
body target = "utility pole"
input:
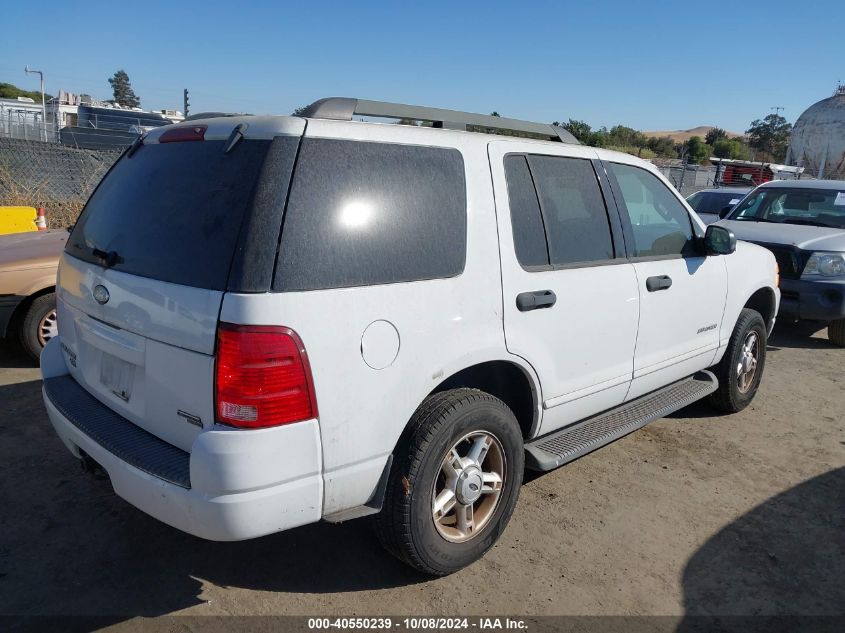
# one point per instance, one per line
(43, 104)
(185, 102)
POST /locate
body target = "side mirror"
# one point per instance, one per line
(725, 211)
(719, 240)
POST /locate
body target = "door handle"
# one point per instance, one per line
(663, 282)
(526, 301)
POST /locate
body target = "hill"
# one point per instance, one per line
(10, 91)
(680, 136)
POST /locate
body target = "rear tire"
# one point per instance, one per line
(741, 368)
(454, 482)
(836, 332)
(39, 324)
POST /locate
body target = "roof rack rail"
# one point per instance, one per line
(344, 108)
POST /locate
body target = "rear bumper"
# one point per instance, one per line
(812, 299)
(242, 484)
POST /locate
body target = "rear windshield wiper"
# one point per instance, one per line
(110, 258)
(235, 137)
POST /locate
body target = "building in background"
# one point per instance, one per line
(817, 142)
(79, 121)
(22, 118)
(61, 110)
(175, 116)
(108, 126)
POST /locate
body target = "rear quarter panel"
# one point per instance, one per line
(32, 281)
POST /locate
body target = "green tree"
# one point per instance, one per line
(730, 148)
(696, 150)
(715, 134)
(579, 129)
(122, 90)
(623, 136)
(770, 136)
(723, 148)
(300, 111)
(494, 113)
(740, 150)
(663, 146)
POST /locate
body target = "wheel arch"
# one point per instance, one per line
(22, 308)
(507, 380)
(763, 300)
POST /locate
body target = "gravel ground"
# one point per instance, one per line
(695, 514)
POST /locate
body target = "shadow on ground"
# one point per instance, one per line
(13, 357)
(786, 557)
(799, 336)
(69, 545)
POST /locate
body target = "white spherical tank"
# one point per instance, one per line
(817, 142)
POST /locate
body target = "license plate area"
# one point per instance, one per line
(116, 376)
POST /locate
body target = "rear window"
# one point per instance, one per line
(363, 213)
(172, 211)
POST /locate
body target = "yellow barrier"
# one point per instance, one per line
(17, 220)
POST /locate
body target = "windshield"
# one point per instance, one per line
(817, 207)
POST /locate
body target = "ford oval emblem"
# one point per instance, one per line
(101, 294)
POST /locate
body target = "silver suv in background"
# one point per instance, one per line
(803, 223)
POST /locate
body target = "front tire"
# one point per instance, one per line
(454, 482)
(741, 368)
(836, 332)
(39, 324)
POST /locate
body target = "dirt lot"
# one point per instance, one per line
(695, 514)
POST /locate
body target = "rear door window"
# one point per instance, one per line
(172, 211)
(362, 213)
(558, 213)
(577, 226)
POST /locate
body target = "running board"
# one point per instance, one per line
(568, 444)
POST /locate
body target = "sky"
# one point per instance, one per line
(650, 65)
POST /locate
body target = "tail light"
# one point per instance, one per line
(182, 133)
(263, 377)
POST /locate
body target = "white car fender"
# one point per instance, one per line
(751, 269)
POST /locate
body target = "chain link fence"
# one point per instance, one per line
(689, 178)
(50, 175)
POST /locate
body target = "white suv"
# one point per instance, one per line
(268, 321)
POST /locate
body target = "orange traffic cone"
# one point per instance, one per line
(41, 220)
